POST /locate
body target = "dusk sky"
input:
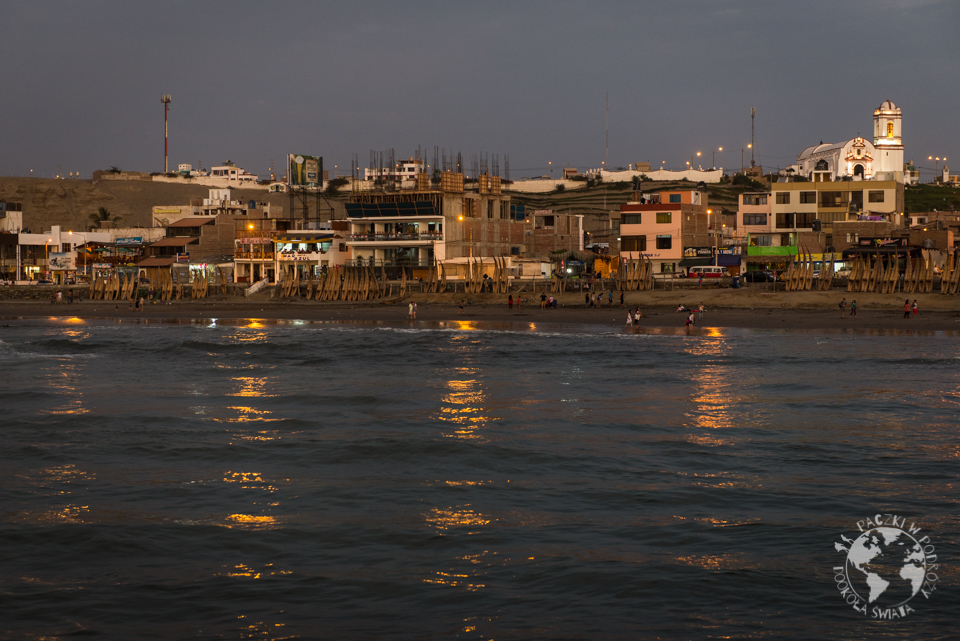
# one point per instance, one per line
(253, 81)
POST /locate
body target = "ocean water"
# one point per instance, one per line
(256, 480)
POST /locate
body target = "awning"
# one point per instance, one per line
(192, 222)
(156, 262)
(181, 241)
(728, 260)
(304, 237)
(696, 262)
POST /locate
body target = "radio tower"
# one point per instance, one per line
(165, 99)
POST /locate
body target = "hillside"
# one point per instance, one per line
(69, 203)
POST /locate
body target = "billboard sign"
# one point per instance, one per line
(305, 171)
(132, 240)
(63, 261)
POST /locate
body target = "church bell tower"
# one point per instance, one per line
(886, 137)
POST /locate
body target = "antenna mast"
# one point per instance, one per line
(165, 99)
(606, 133)
(753, 112)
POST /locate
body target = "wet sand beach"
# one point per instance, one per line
(724, 308)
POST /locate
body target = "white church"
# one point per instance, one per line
(859, 158)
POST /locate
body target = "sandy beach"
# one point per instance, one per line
(724, 308)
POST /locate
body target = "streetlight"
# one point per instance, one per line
(550, 162)
(937, 169)
(46, 253)
(691, 159)
(749, 146)
(714, 159)
(75, 245)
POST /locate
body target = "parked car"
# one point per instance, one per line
(759, 277)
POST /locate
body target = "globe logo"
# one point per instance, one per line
(885, 567)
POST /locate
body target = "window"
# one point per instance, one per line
(755, 199)
(629, 219)
(805, 220)
(633, 243)
(614, 224)
(762, 241)
(664, 216)
(808, 198)
(831, 199)
(890, 129)
(668, 268)
(674, 198)
(783, 198)
(664, 242)
(784, 220)
(754, 219)
(875, 196)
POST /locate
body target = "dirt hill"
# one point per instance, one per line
(69, 203)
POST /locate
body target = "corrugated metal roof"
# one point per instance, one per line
(192, 222)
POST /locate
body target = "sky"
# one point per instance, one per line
(567, 83)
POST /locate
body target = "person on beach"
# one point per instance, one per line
(700, 281)
(690, 320)
(543, 301)
(916, 310)
(906, 308)
(518, 302)
(637, 316)
(463, 302)
(629, 319)
(510, 302)
(700, 309)
(414, 311)
(610, 298)
(843, 308)
(621, 300)
(70, 297)
(409, 311)
(853, 308)
(586, 300)
(141, 303)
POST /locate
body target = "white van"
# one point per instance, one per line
(707, 272)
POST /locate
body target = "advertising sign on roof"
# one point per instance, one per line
(132, 240)
(305, 171)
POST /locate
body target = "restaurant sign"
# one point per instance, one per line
(694, 252)
(254, 241)
(132, 240)
(883, 242)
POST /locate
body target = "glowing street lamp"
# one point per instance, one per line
(714, 158)
(936, 171)
(749, 146)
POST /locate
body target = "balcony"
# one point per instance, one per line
(425, 236)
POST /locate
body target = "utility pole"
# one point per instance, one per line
(606, 132)
(753, 113)
(165, 99)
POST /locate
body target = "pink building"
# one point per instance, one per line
(659, 227)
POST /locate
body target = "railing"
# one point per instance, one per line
(254, 255)
(255, 233)
(395, 237)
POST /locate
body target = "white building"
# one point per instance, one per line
(230, 171)
(858, 158)
(405, 170)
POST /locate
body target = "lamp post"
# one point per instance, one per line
(937, 166)
(46, 253)
(749, 146)
(74, 247)
(714, 158)
(550, 163)
(691, 159)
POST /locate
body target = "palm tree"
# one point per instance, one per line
(104, 215)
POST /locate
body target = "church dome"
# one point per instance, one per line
(887, 105)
